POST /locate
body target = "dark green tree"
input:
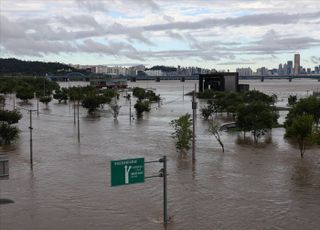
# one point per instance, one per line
(8, 133)
(301, 130)
(45, 100)
(142, 106)
(10, 117)
(182, 133)
(256, 117)
(292, 99)
(25, 94)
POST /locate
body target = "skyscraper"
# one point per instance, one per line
(289, 67)
(296, 70)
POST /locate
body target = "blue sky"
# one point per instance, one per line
(216, 34)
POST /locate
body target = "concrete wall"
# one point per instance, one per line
(230, 82)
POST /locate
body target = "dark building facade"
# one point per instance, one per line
(220, 81)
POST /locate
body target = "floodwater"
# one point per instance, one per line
(267, 186)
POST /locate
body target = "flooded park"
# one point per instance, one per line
(263, 186)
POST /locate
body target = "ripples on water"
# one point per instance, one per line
(263, 187)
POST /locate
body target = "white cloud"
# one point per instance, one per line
(162, 30)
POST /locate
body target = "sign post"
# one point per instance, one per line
(129, 171)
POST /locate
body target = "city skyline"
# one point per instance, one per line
(208, 34)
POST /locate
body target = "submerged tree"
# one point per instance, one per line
(214, 129)
(25, 94)
(10, 117)
(45, 100)
(8, 133)
(301, 129)
(142, 106)
(182, 133)
(256, 117)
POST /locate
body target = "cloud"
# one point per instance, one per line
(272, 42)
(315, 60)
(235, 63)
(247, 20)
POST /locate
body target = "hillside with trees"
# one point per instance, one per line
(16, 67)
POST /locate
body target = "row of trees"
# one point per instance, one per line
(253, 111)
(144, 100)
(302, 122)
(8, 131)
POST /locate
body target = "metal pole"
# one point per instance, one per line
(74, 112)
(165, 190)
(38, 107)
(130, 109)
(194, 110)
(183, 92)
(44, 86)
(78, 124)
(31, 153)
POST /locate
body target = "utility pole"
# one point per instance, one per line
(31, 148)
(183, 92)
(38, 107)
(74, 112)
(130, 108)
(194, 113)
(78, 123)
(165, 218)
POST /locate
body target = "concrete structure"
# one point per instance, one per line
(220, 81)
(296, 69)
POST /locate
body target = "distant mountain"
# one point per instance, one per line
(12, 66)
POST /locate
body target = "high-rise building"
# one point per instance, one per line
(296, 69)
(289, 67)
(280, 69)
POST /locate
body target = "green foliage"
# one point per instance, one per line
(110, 93)
(183, 132)
(209, 110)
(25, 85)
(207, 94)
(151, 96)
(25, 94)
(257, 96)
(8, 133)
(61, 95)
(301, 130)
(139, 93)
(8, 85)
(309, 105)
(80, 92)
(19, 67)
(292, 99)
(91, 103)
(45, 99)
(11, 117)
(142, 106)
(256, 117)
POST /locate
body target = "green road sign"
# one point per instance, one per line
(129, 171)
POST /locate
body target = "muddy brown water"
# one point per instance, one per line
(266, 186)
